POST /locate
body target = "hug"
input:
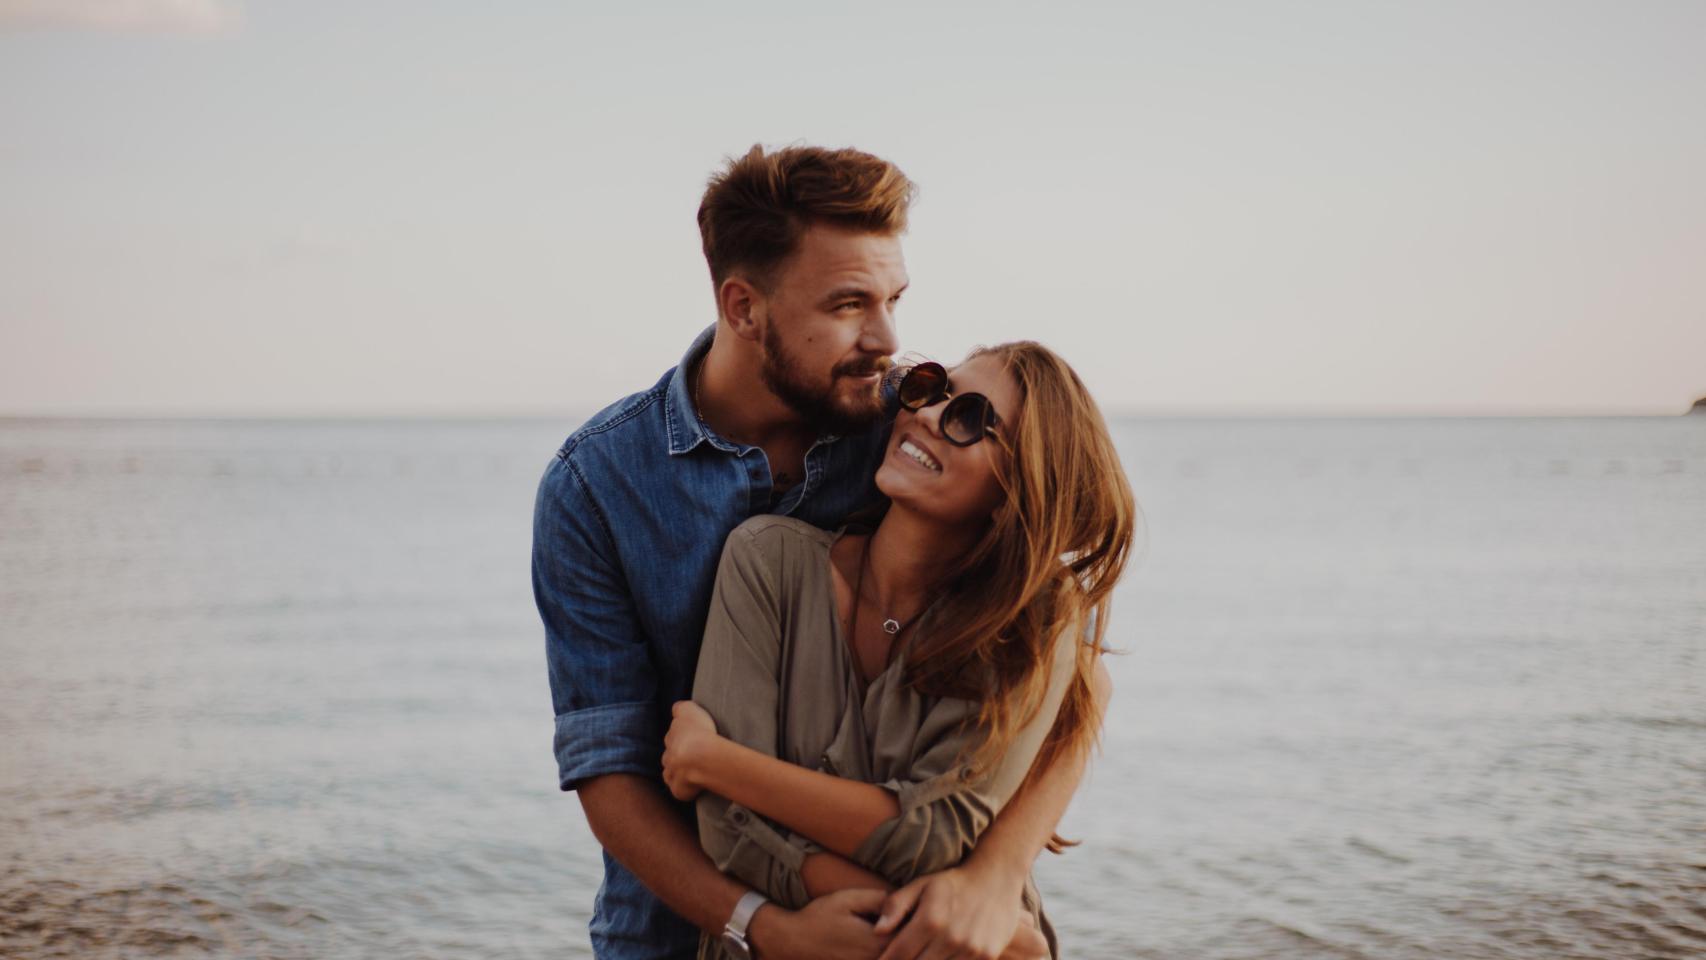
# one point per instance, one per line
(852, 610)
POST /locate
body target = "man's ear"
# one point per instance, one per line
(742, 306)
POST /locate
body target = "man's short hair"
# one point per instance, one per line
(755, 209)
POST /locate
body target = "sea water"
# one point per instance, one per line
(1386, 688)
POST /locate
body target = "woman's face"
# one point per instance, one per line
(954, 485)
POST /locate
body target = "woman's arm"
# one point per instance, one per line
(921, 824)
(839, 814)
(826, 872)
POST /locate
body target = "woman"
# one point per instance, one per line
(879, 698)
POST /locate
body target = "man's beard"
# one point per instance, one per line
(816, 405)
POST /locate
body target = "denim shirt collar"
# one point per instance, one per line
(686, 430)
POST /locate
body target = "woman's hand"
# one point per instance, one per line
(691, 738)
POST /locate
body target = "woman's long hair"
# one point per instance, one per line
(1043, 571)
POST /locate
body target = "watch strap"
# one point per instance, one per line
(742, 915)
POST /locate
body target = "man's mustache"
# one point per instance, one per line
(861, 368)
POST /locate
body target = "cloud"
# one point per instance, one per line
(166, 16)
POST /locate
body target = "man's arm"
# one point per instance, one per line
(974, 909)
(608, 740)
(634, 820)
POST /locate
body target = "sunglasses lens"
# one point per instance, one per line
(965, 418)
(922, 385)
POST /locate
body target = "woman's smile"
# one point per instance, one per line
(913, 452)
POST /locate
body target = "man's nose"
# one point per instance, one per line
(879, 335)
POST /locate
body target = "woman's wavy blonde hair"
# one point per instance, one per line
(1043, 571)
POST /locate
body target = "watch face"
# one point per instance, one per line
(736, 944)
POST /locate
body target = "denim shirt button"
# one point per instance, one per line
(738, 816)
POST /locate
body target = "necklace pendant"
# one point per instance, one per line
(891, 626)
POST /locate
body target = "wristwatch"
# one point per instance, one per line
(734, 932)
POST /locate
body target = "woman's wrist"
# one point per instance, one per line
(705, 762)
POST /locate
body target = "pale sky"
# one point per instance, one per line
(364, 208)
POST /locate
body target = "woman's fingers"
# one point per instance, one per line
(689, 722)
(679, 787)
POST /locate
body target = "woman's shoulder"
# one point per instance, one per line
(787, 549)
(775, 555)
(769, 532)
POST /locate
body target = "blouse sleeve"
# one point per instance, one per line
(737, 683)
(944, 806)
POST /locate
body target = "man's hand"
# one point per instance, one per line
(836, 926)
(691, 734)
(960, 912)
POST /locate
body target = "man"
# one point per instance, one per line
(778, 408)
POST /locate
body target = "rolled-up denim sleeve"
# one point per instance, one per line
(603, 685)
(944, 804)
(738, 683)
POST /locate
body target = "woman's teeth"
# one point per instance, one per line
(923, 459)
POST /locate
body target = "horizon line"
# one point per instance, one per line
(1120, 413)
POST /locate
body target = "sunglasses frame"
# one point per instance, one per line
(956, 401)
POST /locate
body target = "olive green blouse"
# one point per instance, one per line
(776, 673)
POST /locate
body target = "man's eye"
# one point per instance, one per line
(851, 303)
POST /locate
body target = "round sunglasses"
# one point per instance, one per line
(968, 417)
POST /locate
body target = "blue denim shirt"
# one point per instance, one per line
(628, 527)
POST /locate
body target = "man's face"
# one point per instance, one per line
(830, 328)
